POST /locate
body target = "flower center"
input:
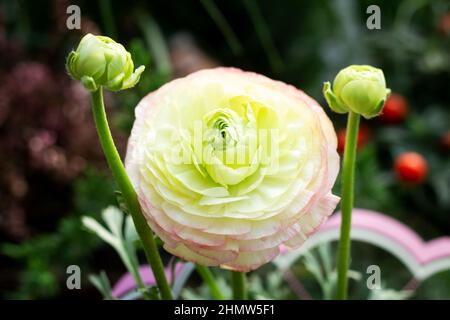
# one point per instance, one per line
(229, 141)
(223, 128)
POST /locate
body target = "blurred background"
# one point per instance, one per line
(52, 170)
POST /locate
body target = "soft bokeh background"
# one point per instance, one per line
(52, 170)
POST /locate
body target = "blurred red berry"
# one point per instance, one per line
(341, 140)
(444, 24)
(445, 141)
(363, 138)
(395, 109)
(411, 167)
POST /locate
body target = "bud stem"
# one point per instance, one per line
(348, 177)
(239, 282)
(121, 177)
(208, 277)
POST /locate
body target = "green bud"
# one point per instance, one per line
(357, 88)
(100, 61)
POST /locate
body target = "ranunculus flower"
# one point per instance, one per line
(230, 165)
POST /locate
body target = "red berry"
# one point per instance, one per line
(341, 140)
(444, 24)
(363, 138)
(445, 141)
(395, 109)
(411, 167)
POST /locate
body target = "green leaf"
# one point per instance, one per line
(153, 293)
(121, 236)
(182, 278)
(97, 228)
(114, 220)
(101, 282)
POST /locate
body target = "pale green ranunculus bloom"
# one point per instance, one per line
(357, 88)
(100, 61)
(230, 166)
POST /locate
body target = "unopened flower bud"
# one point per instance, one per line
(100, 61)
(357, 88)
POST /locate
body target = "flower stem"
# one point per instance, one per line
(239, 285)
(223, 25)
(116, 165)
(348, 177)
(208, 277)
(106, 12)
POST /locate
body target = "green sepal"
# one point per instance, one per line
(89, 83)
(331, 99)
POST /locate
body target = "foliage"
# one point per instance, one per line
(46, 256)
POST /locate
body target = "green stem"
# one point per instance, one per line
(223, 25)
(263, 32)
(239, 283)
(107, 15)
(208, 277)
(116, 165)
(157, 45)
(348, 177)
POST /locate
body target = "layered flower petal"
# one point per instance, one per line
(229, 166)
